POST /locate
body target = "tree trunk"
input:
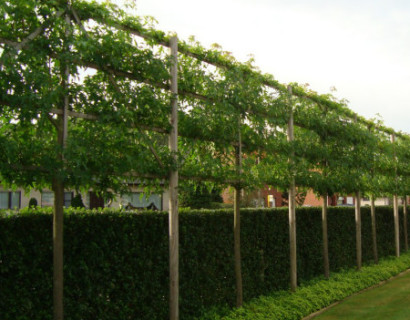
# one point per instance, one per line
(325, 238)
(292, 207)
(396, 225)
(395, 203)
(58, 189)
(292, 237)
(406, 239)
(237, 220)
(237, 247)
(358, 231)
(374, 233)
(173, 189)
(58, 273)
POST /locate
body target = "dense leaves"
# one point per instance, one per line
(113, 68)
(315, 294)
(116, 263)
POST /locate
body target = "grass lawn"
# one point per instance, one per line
(389, 301)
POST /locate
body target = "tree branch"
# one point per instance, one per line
(20, 45)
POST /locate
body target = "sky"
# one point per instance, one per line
(359, 47)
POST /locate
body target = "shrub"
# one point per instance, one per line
(312, 295)
(116, 263)
(199, 195)
(32, 203)
(77, 201)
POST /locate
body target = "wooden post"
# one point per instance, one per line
(58, 253)
(58, 189)
(406, 239)
(292, 206)
(358, 219)
(237, 247)
(173, 190)
(396, 224)
(373, 216)
(237, 222)
(396, 209)
(325, 238)
(374, 233)
(260, 200)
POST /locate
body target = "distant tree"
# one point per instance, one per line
(77, 201)
(300, 197)
(61, 131)
(199, 195)
(32, 203)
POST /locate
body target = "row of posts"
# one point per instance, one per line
(173, 209)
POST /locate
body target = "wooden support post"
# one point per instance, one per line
(396, 208)
(406, 239)
(58, 189)
(358, 219)
(374, 233)
(58, 253)
(396, 225)
(325, 238)
(237, 247)
(373, 216)
(58, 228)
(173, 190)
(261, 203)
(237, 221)
(292, 205)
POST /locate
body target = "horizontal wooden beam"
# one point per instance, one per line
(96, 117)
(187, 50)
(75, 114)
(21, 44)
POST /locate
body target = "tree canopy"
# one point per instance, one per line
(112, 72)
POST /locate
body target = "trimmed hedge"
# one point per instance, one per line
(313, 295)
(116, 264)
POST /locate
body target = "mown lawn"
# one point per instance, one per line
(389, 301)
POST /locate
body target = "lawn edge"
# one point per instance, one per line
(381, 283)
(310, 298)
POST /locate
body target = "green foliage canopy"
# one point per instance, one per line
(114, 70)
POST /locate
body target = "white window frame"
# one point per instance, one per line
(9, 195)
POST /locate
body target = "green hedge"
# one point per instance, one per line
(313, 295)
(116, 264)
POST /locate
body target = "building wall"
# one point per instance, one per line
(255, 198)
(382, 201)
(377, 202)
(116, 203)
(275, 194)
(311, 200)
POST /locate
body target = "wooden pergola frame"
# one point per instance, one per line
(64, 113)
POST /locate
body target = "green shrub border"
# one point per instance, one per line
(116, 263)
(315, 294)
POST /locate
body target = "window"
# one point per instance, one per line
(10, 200)
(140, 200)
(68, 196)
(47, 199)
(271, 201)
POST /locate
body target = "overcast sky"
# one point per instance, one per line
(360, 47)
